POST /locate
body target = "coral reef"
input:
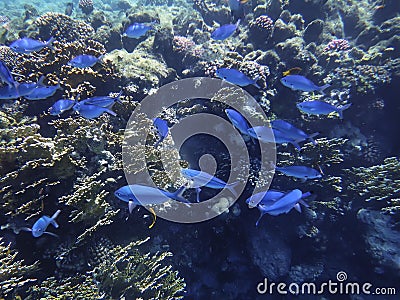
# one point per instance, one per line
(14, 273)
(127, 273)
(379, 184)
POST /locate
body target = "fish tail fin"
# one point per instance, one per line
(53, 218)
(178, 194)
(49, 43)
(231, 188)
(312, 136)
(322, 88)
(342, 108)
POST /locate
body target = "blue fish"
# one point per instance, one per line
(321, 108)
(268, 135)
(5, 74)
(200, 178)
(27, 45)
(61, 106)
(84, 61)
(283, 204)
(269, 197)
(236, 77)
(224, 31)
(301, 172)
(238, 121)
(162, 130)
(137, 30)
(103, 101)
(292, 132)
(146, 195)
(42, 92)
(42, 223)
(90, 111)
(301, 83)
(9, 93)
(19, 90)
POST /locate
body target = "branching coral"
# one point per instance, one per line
(125, 272)
(379, 184)
(13, 272)
(76, 287)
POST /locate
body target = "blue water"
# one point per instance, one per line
(75, 163)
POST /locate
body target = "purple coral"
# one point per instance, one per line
(337, 45)
(184, 45)
(86, 6)
(263, 23)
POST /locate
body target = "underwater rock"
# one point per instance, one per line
(270, 254)
(313, 31)
(283, 31)
(211, 12)
(261, 29)
(368, 36)
(382, 241)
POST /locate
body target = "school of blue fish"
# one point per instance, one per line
(278, 131)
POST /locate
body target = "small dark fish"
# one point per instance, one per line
(84, 61)
(69, 9)
(292, 71)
